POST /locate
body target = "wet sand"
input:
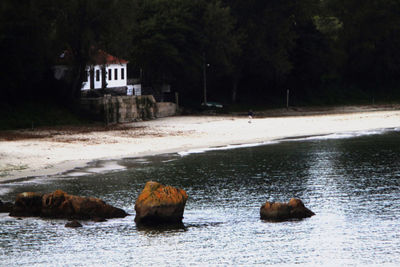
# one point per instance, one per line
(49, 151)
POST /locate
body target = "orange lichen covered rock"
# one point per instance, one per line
(62, 205)
(160, 204)
(276, 211)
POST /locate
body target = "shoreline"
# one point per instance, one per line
(55, 150)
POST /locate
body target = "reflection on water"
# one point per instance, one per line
(352, 184)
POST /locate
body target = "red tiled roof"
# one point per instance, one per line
(102, 57)
(97, 57)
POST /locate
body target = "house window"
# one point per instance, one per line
(110, 74)
(97, 75)
(115, 74)
(122, 74)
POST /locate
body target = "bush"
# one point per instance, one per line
(35, 114)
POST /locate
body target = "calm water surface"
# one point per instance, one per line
(351, 182)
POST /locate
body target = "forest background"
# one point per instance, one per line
(324, 51)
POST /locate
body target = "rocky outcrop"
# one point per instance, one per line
(277, 211)
(27, 204)
(5, 207)
(62, 205)
(298, 210)
(159, 204)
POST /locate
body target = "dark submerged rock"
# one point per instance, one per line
(160, 227)
(6, 207)
(73, 224)
(276, 211)
(159, 204)
(27, 204)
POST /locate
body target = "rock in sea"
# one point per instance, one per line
(276, 211)
(160, 204)
(27, 204)
(59, 204)
(73, 224)
(5, 207)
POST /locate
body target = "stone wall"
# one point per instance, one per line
(120, 109)
(165, 109)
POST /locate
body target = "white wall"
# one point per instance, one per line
(116, 82)
(111, 81)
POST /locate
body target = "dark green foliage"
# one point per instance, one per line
(32, 114)
(368, 41)
(24, 43)
(252, 51)
(171, 38)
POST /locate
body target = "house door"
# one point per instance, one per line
(91, 78)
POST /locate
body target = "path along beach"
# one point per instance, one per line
(49, 151)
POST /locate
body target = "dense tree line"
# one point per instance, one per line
(251, 51)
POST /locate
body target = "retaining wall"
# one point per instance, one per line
(120, 109)
(165, 109)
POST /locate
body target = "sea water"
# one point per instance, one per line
(350, 180)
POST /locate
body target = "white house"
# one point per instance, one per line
(103, 71)
(106, 69)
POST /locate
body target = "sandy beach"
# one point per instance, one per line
(49, 151)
